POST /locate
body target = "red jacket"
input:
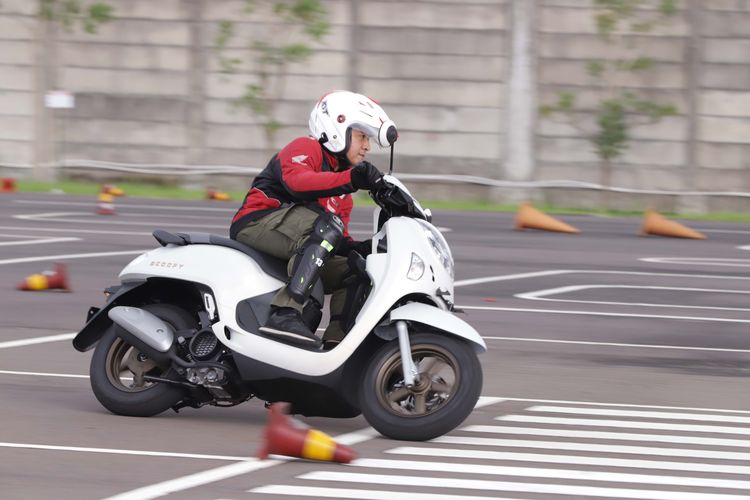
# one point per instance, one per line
(302, 172)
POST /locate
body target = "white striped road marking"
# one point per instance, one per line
(627, 405)
(616, 344)
(544, 295)
(35, 240)
(193, 480)
(567, 433)
(566, 474)
(596, 448)
(624, 424)
(71, 256)
(558, 489)
(359, 494)
(639, 414)
(571, 460)
(594, 313)
(36, 340)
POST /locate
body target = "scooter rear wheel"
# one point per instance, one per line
(117, 371)
(444, 394)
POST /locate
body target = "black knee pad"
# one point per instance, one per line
(325, 236)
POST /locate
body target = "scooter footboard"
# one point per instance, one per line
(439, 320)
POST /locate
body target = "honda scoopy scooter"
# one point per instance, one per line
(182, 330)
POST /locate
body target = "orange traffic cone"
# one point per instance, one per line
(283, 438)
(656, 224)
(113, 190)
(105, 204)
(47, 280)
(8, 185)
(213, 194)
(529, 217)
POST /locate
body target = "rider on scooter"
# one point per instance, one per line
(298, 209)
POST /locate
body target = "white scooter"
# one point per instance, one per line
(182, 330)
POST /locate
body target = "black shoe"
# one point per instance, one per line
(286, 324)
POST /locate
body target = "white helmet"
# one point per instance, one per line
(339, 110)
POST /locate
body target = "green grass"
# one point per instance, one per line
(137, 189)
(152, 190)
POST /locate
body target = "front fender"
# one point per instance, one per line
(438, 319)
(99, 321)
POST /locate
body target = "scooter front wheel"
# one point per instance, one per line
(443, 395)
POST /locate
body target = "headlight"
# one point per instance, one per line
(439, 246)
(416, 269)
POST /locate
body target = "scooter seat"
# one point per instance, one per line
(271, 265)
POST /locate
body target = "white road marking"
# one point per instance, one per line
(111, 220)
(615, 344)
(596, 313)
(557, 272)
(640, 414)
(358, 494)
(67, 230)
(117, 451)
(506, 277)
(571, 460)
(700, 261)
(567, 433)
(557, 489)
(129, 205)
(71, 256)
(35, 240)
(567, 474)
(624, 424)
(595, 448)
(36, 340)
(544, 295)
(193, 480)
(41, 374)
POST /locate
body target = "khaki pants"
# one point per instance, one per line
(281, 234)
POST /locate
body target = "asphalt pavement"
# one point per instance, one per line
(618, 367)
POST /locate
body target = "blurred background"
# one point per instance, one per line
(619, 104)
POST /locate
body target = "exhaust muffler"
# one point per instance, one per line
(146, 332)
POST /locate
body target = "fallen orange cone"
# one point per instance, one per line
(213, 194)
(283, 438)
(105, 204)
(47, 280)
(529, 217)
(656, 224)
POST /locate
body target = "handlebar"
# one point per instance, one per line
(397, 202)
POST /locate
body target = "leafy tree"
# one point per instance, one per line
(271, 57)
(618, 109)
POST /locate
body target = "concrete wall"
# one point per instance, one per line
(149, 88)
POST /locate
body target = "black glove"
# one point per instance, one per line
(366, 176)
(364, 248)
(361, 247)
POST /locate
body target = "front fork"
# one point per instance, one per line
(411, 375)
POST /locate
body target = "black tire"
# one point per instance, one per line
(109, 378)
(435, 405)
